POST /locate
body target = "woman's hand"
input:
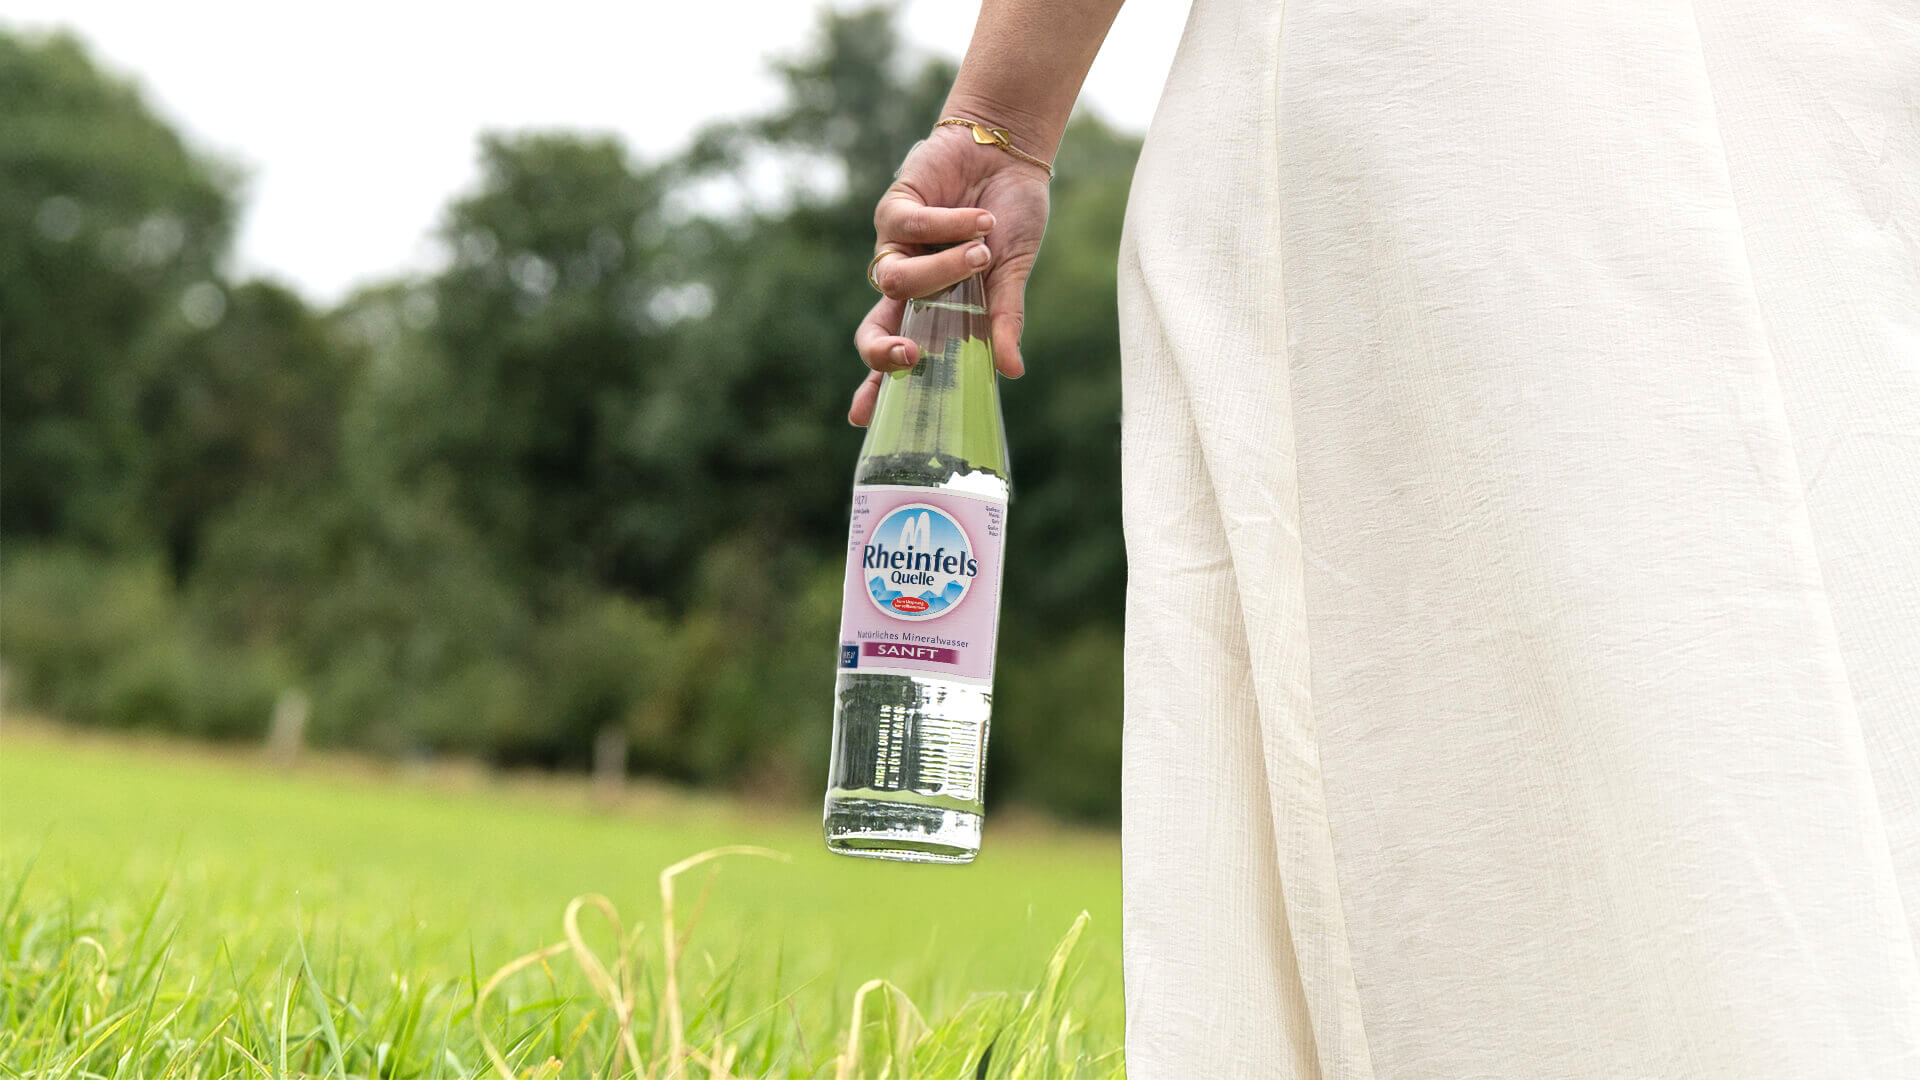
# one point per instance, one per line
(992, 207)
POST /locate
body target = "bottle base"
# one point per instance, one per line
(901, 832)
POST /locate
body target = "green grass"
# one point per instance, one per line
(167, 912)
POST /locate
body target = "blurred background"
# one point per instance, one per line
(437, 382)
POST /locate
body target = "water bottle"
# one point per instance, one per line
(914, 688)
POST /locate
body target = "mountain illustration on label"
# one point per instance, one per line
(920, 564)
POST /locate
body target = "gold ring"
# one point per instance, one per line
(875, 261)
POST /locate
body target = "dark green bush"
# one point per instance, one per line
(108, 644)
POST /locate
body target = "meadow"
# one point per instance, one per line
(171, 911)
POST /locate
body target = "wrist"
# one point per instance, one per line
(1031, 131)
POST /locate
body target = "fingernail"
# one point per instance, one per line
(977, 255)
(899, 354)
(984, 223)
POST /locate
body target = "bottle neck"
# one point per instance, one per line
(968, 296)
(943, 414)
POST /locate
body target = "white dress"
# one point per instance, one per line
(1522, 447)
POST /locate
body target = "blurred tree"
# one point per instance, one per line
(636, 380)
(1066, 559)
(110, 229)
(250, 406)
(553, 321)
(860, 97)
(775, 357)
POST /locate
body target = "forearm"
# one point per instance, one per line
(1025, 65)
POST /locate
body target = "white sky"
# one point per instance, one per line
(357, 119)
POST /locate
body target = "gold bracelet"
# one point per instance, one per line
(993, 136)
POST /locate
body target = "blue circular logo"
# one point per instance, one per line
(919, 563)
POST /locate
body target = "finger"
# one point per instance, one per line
(861, 412)
(878, 339)
(902, 218)
(1006, 299)
(904, 277)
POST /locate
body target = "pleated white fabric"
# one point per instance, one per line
(1522, 446)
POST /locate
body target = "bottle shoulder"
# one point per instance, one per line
(934, 470)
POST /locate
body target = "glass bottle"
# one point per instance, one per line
(921, 610)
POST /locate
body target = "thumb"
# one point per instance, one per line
(1006, 301)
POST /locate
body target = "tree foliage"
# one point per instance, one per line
(107, 219)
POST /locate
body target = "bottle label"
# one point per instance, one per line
(923, 583)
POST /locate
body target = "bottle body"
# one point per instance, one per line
(913, 694)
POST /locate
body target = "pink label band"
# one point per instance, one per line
(923, 583)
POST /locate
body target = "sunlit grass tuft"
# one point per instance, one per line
(204, 975)
(72, 1009)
